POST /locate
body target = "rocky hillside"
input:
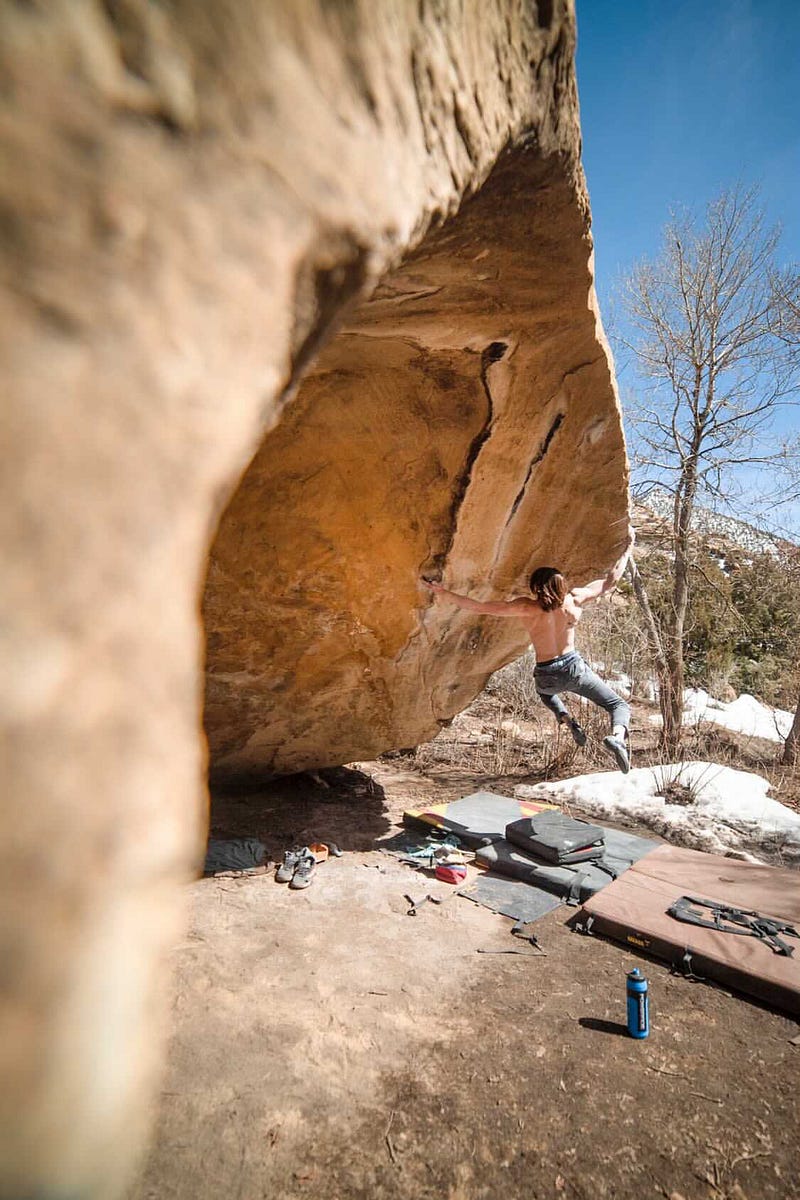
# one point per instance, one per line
(653, 517)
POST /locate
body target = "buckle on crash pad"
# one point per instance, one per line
(683, 966)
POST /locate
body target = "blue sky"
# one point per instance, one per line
(680, 100)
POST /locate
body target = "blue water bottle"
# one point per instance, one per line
(638, 1005)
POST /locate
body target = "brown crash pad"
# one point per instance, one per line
(633, 909)
(774, 891)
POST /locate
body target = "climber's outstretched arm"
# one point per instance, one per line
(599, 587)
(492, 608)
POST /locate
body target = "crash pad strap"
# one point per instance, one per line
(581, 876)
(574, 893)
(582, 873)
(727, 919)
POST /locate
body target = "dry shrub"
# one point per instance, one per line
(514, 686)
(497, 749)
(560, 756)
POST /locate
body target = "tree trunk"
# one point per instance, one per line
(672, 703)
(671, 697)
(672, 694)
(656, 643)
(791, 748)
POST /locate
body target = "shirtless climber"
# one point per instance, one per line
(550, 617)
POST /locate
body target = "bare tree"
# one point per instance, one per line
(786, 286)
(710, 346)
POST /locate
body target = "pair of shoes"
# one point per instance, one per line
(619, 751)
(297, 868)
(577, 731)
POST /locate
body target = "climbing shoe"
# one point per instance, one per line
(303, 872)
(287, 868)
(619, 752)
(577, 731)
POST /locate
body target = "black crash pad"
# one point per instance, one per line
(556, 837)
(511, 897)
(577, 881)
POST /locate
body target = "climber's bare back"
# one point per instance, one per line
(552, 633)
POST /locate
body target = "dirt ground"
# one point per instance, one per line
(327, 1044)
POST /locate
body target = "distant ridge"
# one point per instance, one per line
(704, 521)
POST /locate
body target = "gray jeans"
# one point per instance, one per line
(569, 673)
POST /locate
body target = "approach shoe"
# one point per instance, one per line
(291, 858)
(304, 872)
(619, 752)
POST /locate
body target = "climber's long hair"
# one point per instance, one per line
(548, 588)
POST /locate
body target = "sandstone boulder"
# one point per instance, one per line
(462, 421)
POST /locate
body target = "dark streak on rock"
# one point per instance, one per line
(537, 458)
(419, 89)
(347, 18)
(462, 127)
(133, 43)
(491, 354)
(331, 288)
(544, 13)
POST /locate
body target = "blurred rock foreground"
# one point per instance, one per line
(196, 205)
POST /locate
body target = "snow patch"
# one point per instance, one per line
(722, 811)
(744, 715)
